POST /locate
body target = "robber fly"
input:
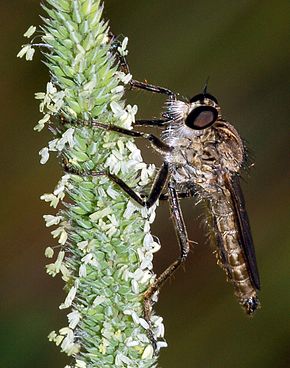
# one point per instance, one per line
(203, 156)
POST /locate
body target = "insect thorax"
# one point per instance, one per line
(203, 156)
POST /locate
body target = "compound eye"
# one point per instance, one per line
(200, 97)
(201, 117)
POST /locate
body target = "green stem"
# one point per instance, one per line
(104, 241)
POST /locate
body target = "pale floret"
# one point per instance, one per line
(73, 319)
(28, 51)
(31, 30)
(123, 48)
(70, 297)
(49, 252)
(148, 352)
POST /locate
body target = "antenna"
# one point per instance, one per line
(204, 91)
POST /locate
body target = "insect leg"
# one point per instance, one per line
(152, 122)
(180, 195)
(156, 143)
(124, 67)
(184, 246)
(157, 187)
(152, 88)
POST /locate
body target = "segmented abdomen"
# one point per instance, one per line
(229, 250)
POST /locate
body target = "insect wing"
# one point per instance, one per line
(246, 240)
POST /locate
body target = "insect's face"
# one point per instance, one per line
(204, 111)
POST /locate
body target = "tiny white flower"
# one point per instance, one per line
(132, 343)
(26, 50)
(67, 137)
(50, 88)
(69, 347)
(39, 95)
(41, 123)
(152, 215)
(52, 145)
(52, 220)
(52, 335)
(130, 209)
(100, 214)
(83, 270)
(144, 323)
(142, 337)
(146, 227)
(144, 175)
(124, 78)
(148, 352)
(63, 237)
(155, 247)
(118, 89)
(117, 109)
(161, 344)
(147, 262)
(82, 245)
(29, 54)
(122, 49)
(111, 231)
(44, 153)
(148, 240)
(136, 155)
(49, 252)
(112, 193)
(132, 111)
(99, 300)
(137, 275)
(59, 259)
(135, 286)
(66, 273)
(87, 258)
(159, 330)
(64, 331)
(69, 299)
(146, 276)
(73, 319)
(54, 268)
(59, 190)
(50, 198)
(121, 359)
(30, 31)
(135, 317)
(58, 340)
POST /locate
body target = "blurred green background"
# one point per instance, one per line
(244, 47)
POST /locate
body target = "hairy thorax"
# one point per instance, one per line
(203, 157)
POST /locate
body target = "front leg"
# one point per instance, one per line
(124, 67)
(156, 123)
(156, 143)
(152, 88)
(156, 190)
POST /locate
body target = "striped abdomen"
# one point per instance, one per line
(232, 253)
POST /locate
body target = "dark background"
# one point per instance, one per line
(242, 45)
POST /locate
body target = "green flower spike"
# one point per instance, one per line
(105, 249)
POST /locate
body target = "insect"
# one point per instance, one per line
(203, 156)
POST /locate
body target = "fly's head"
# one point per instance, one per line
(203, 111)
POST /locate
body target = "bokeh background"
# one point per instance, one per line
(244, 47)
